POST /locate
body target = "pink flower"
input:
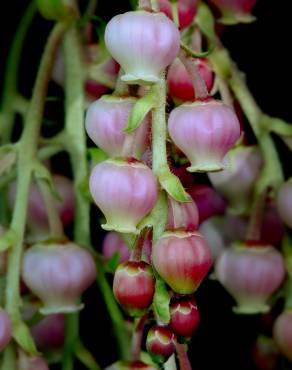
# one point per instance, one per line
(143, 43)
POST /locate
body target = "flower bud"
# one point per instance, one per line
(143, 44)
(113, 243)
(49, 332)
(133, 286)
(182, 215)
(5, 329)
(251, 274)
(187, 9)
(160, 343)
(105, 122)
(182, 259)
(58, 274)
(265, 353)
(284, 202)
(204, 132)
(234, 11)
(180, 83)
(184, 316)
(125, 191)
(208, 201)
(282, 333)
(236, 181)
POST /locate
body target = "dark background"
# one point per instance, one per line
(262, 50)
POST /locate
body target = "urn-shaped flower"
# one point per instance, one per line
(143, 43)
(251, 274)
(204, 132)
(182, 259)
(58, 274)
(105, 122)
(125, 191)
(133, 286)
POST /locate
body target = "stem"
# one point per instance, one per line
(183, 359)
(43, 154)
(115, 314)
(55, 224)
(76, 139)
(154, 5)
(27, 150)
(9, 358)
(159, 159)
(137, 338)
(200, 87)
(144, 4)
(76, 146)
(256, 218)
(224, 91)
(272, 174)
(174, 12)
(138, 249)
(11, 72)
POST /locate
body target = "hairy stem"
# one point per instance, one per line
(28, 150)
(159, 155)
(55, 224)
(200, 87)
(11, 72)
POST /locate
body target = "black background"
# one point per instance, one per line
(262, 50)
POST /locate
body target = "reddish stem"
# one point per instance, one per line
(137, 251)
(137, 338)
(256, 218)
(184, 362)
(200, 87)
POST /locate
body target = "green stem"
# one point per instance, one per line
(28, 149)
(76, 146)
(11, 72)
(9, 358)
(119, 328)
(75, 133)
(159, 159)
(43, 154)
(272, 174)
(55, 224)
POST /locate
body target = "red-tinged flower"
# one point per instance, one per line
(143, 43)
(284, 202)
(49, 332)
(208, 201)
(251, 274)
(179, 81)
(5, 329)
(187, 9)
(182, 259)
(105, 122)
(182, 215)
(113, 243)
(160, 343)
(125, 191)
(282, 333)
(234, 11)
(184, 316)
(58, 274)
(204, 132)
(133, 286)
(265, 353)
(237, 180)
